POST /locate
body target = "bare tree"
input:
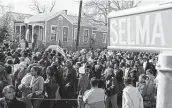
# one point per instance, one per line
(5, 22)
(97, 10)
(42, 8)
(5, 8)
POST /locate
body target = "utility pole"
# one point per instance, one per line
(79, 21)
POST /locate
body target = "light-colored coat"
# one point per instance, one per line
(132, 98)
(25, 82)
(37, 85)
(94, 98)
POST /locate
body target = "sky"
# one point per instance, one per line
(23, 6)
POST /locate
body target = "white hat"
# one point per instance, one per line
(118, 54)
(81, 70)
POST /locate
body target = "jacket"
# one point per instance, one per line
(131, 98)
(37, 85)
(15, 103)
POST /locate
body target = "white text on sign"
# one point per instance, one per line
(120, 31)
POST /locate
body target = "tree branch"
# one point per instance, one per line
(36, 6)
(42, 8)
(136, 4)
(53, 4)
(98, 9)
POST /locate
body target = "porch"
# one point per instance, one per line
(32, 33)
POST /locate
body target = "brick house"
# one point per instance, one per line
(60, 28)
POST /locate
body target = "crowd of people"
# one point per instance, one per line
(84, 79)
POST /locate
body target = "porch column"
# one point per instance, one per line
(20, 31)
(27, 33)
(43, 34)
(40, 38)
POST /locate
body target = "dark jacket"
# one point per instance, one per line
(15, 103)
(110, 89)
(98, 71)
(147, 66)
(69, 78)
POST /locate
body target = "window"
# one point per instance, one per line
(41, 33)
(53, 32)
(17, 29)
(74, 34)
(94, 35)
(86, 32)
(104, 37)
(30, 33)
(23, 30)
(65, 34)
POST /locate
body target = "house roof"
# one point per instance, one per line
(18, 17)
(71, 18)
(47, 16)
(42, 17)
(84, 20)
(102, 28)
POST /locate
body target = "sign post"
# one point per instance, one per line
(146, 29)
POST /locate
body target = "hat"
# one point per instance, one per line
(10, 61)
(118, 54)
(150, 61)
(81, 70)
(144, 57)
(7, 58)
(77, 65)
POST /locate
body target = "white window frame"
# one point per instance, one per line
(94, 35)
(84, 35)
(41, 30)
(62, 34)
(51, 32)
(104, 37)
(75, 35)
(79, 38)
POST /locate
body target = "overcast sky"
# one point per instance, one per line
(23, 6)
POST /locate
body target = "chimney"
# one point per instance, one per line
(65, 12)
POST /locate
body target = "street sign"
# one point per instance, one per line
(144, 27)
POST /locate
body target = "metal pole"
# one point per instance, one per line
(79, 21)
(164, 67)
